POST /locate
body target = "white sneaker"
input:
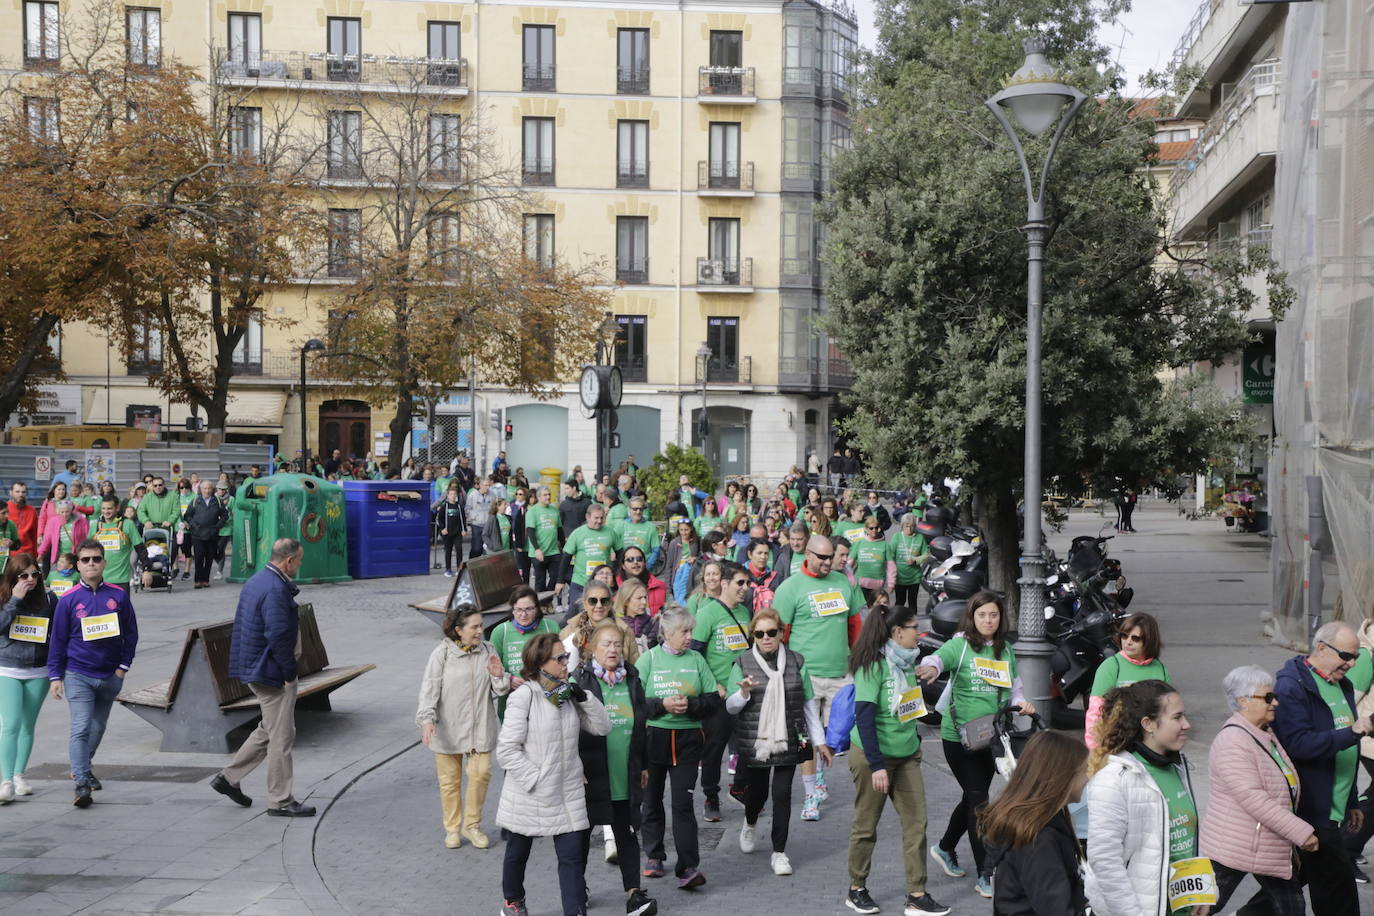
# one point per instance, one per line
(781, 864)
(6, 792)
(611, 853)
(21, 785)
(747, 842)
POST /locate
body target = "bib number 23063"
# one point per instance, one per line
(1192, 882)
(828, 604)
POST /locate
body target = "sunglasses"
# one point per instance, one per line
(634, 559)
(766, 634)
(598, 601)
(29, 575)
(1270, 697)
(1344, 656)
(92, 559)
(821, 556)
(1132, 637)
(562, 659)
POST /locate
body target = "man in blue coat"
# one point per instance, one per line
(1317, 724)
(263, 656)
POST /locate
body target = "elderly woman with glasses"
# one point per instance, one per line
(527, 620)
(1138, 660)
(1251, 826)
(544, 792)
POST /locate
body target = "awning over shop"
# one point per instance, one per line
(249, 411)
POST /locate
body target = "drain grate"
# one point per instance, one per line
(127, 773)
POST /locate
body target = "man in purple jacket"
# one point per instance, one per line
(94, 635)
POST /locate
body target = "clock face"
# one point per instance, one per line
(615, 386)
(590, 387)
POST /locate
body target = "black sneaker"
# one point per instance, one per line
(924, 905)
(859, 901)
(94, 783)
(712, 810)
(1360, 876)
(83, 795)
(640, 904)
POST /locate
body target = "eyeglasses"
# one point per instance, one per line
(522, 609)
(821, 556)
(562, 659)
(96, 558)
(739, 583)
(597, 601)
(1344, 656)
(909, 626)
(1270, 697)
(766, 634)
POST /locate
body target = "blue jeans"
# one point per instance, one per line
(88, 701)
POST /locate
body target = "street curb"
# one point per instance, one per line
(298, 840)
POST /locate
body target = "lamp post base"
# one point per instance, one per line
(1033, 652)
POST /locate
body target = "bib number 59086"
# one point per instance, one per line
(1192, 882)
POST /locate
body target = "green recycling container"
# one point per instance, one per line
(291, 506)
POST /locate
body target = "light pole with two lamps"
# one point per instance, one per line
(313, 345)
(1035, 99)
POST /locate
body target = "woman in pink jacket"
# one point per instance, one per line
(1251, 827)
(64, 530)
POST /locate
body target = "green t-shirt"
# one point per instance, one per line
(228, 527)
(724, 633)
(61, 582)
(161, 511)
(589, 549)
(503, 523)
(818, 611)
(870, 558)
(1183, 821)
(797, 560)
(874, 684)
(1347, 761)
(64, 538)
(853, 532)
(90, 502)
(795, 495)
(510, 642)
(705, 523)
(1117, 671)
(667, 675)
(905, 548)
(1361, 674)
(643, 535)
(617, 516)
(695, 600)
(119, 538)
(974, 695)
(622, 713)
(541, 529)
(8, 532)
(688, 495)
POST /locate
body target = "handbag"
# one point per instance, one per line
(841, 719)
(975, 734)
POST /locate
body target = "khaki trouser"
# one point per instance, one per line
(908, 794)
(463, 811)
(273, 740)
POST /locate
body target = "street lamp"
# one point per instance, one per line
(606, 335)
(1035, 99)
(313, 345)
(704, 355)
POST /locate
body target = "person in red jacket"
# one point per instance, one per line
(24, 517)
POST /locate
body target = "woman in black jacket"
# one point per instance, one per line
(25, 623)
(204, 517)
(613, 764)
(1029, 834)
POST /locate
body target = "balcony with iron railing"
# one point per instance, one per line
(535, 78)
(1218, 33)
(537, 172)
(804, 272)
(725, 178)
(633, 270)
(346, 72)
(802, 80)
(726, 370)
(725, 275)
(726, 85)
(347, 169)
(633, 368)
(632, 80)
(1237, 144)
(813, 374)
(632, 175)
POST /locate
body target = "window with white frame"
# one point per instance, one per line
(539, 238)
(445, 139)
(247, 358)
(245, 132)
(143, 33)
(42, 32)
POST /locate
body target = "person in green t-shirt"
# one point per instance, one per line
(1138, 660)
(885, 761)
(121, 539)
(526, 621)
(708, 519)
(9, 536)
(634, 531)
(820, 610)
(680, 693)
(872, 557)
(225, 535)
(63, 575)
(589, 547)
(721, 635)
(542, 535)
(851, 528)
(908, 553)
(982, 677)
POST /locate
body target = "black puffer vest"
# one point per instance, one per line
(747, 722)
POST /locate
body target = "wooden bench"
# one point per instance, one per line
(485, 582)
(201, 706)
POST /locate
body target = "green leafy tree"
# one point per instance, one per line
(925, 250)
(660, 479)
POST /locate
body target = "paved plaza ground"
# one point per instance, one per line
(159, 840)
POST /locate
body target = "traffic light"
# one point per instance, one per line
(510, 431)
(494, 417)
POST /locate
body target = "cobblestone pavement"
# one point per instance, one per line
(159, 840)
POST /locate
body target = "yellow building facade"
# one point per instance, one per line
(686, 146)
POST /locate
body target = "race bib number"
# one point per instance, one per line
(108, 539)
(29, 629)
(996, 672)
(734, 638)
(60, 587)
(592, 566)
(828, 604)
(4, 552)
(1192, 882)
(102, 627)
(911, 705)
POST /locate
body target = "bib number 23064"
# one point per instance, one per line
(1192, 882)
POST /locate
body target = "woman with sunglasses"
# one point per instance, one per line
(777, 725)
(1138, 660)
(635, 565)
(25, 623)
(596, 609)
(632, 608)
(874, 568)
(544, 792)
(1251, 827)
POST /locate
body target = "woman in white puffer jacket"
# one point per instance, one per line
(1141, 812)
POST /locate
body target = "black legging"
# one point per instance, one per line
(626, 845)
(974, 770)
(756, 794)
(221, 546)
(718, 729)
(452, 541)
(907, 596)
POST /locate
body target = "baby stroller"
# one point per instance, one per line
(1008, 740)
(154, 567)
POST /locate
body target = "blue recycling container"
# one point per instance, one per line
(388, 527)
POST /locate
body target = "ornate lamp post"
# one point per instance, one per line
(312, 345)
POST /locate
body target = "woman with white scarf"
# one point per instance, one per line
(777, 726)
